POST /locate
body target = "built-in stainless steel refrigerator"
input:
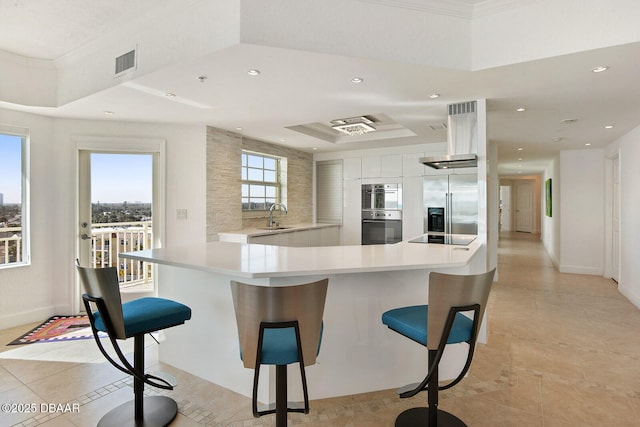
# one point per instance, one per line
(451, 203)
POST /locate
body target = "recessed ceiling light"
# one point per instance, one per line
(557, 139)
(109, 113)
(357, 80)
(599, 69)
(588, 144)
(519, 159)
(238, 128)
(434, 96)
(253, 72)
(569, 121)
(283, 139)
(314, 148)
(608, 127)
(170, 95)
(521, 109)
(520, 149)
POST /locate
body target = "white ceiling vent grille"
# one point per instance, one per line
(126, 62)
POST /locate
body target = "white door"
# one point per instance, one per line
(524, 207)
(120, 206)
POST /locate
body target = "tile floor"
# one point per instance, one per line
(564, 350)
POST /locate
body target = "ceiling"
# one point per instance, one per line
(297, 88)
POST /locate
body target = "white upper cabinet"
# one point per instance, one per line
(411, 165)
(352, 168)
(382, 166)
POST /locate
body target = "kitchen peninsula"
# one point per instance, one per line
(358, 353)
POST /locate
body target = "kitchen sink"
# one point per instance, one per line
(277, 227)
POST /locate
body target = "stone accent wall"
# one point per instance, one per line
(223, 182)
(224, 208)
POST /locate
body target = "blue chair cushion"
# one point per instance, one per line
(412, 323)
(279, 346)
(149, 314)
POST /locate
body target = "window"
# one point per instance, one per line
(14, 219)
(260, 181)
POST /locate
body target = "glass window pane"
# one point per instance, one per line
(269, 176)
(270, 191)
(255, 161)
(255, 175)
(256, 191)
(269, 163)
(14, 242)
(244, 159)
(245, 190)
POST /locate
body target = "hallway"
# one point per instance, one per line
(563, 350)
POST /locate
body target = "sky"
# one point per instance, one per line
(116, 178)
(10, 168)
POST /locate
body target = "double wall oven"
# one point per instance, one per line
(381, 214)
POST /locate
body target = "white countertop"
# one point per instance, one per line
(265, 261)
(263, 231)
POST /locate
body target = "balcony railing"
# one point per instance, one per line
(108, 241)
(10, 245)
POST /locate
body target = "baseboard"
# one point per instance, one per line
(575, 269)
(22, 318)
(630, 295)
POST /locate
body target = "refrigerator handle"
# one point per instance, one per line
(447, 212)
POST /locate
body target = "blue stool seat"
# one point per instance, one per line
(412, 323)
(148, 314)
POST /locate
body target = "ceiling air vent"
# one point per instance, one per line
(126, 62)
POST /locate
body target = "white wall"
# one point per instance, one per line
(628, 148)
(551, 225)
(47, 286)
(582, 211)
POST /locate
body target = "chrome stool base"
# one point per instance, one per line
(419, 417)
(159, 411)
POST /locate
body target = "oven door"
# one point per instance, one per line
(381, 231)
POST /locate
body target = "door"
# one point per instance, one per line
(524, 207)
(120, 206)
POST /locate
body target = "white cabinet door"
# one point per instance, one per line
(411, 165)
(330, 236)
(351, 234)
(391, 166)
(371, 167)
(352, 168)
(412, 214)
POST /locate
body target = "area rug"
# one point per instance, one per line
(57, 328)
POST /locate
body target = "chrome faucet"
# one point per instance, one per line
(273, 206)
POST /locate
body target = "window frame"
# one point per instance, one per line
(277, 184)
(25, 179)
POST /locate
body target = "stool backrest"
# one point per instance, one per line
(102, 283)
(255, 304)
(449, 290)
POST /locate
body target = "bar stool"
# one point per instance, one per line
(121, 321)
(279, 325)
(435, 325)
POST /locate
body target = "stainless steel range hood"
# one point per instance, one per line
(462, 139)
